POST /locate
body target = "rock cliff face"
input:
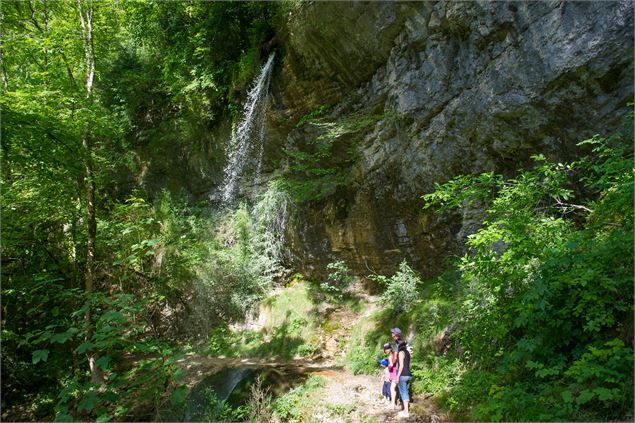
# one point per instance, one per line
(422, 92)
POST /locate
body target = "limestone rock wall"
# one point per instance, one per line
(440, 89)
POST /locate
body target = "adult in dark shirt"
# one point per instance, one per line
(404, 376)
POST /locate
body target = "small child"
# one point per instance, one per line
(385, 390)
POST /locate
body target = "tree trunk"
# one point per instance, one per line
(86, 21)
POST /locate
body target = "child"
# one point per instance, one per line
(385, 390)
(392, 375)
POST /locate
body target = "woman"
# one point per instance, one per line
(392, 368)
(404, 376)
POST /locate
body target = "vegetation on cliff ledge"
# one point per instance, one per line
(108, 282)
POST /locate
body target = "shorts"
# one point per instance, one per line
(404, 381)
(385, 390)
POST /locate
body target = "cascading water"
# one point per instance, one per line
(249, 135)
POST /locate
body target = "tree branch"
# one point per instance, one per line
(35, 22)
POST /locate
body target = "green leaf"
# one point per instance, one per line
(178, 396)
(178, 374)
(60, 338)
(585, 396)
(113, 316)
(567, 396)
(103, 362)
(103, 418)
(80, 311)
(88, 402)
(605, 394)
(121, 410)
(63, 417)
(83, 347)
(40, 355)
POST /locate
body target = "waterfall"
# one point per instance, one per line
(249, 135)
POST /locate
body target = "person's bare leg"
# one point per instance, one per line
(393, 394)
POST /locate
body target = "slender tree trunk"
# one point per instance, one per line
(5, 77)
(86, 21)
(45, 47)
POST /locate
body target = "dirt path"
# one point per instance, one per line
(357, 398)
(344, 397)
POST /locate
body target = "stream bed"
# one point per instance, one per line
(232, 385)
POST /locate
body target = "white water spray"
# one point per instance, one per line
(251, 128)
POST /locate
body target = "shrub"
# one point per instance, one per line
(360, 359)
(291, 406)
(339, 279)
(401, 289)
(545, 324)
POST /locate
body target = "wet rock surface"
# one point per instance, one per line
(443, 89)
(413, 94)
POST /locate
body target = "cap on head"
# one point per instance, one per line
(386, 346)
(396, 331)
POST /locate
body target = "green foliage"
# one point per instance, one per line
(309, 177)
(338, 410)
(436, 375)
(545, 313)
(216, 410)
(602, 375)
(289, 330)
(312, 115)
(156, 263)
(308, 350)
(360, 359)
(339, 279)
(202, 50)
(154, 257)
(319, 168)
(271, 214)
(363, 345)
(401, 289)
(115, 332)
(289, 407)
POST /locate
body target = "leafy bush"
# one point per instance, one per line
(360, 359)
(308, 350)
(291, 406)
(339, 279)
(270, 216)
(216, 410)
(436, 375)
(317, 169)
(401, 289)
(602, 377)
(116, 330)
(546, 312)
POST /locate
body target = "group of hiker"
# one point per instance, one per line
(397, 374)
